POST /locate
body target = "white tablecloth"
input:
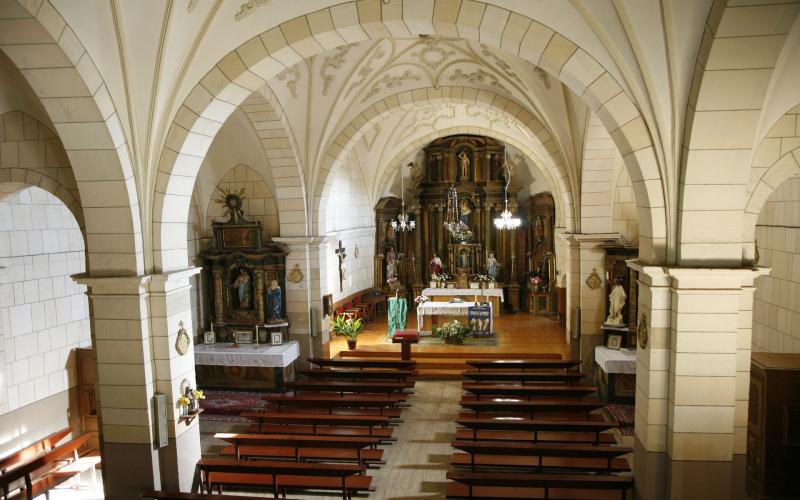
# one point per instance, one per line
(459, 292)
(275, 356)
(615, 360)
(447, 309)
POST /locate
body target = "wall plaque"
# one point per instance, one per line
(594, 281)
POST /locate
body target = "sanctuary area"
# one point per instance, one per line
(400, 249)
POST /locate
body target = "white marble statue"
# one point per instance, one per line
(616, 301)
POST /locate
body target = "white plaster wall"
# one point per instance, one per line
(43, 313)
(259, 204)
(776, 312)
(625, 219)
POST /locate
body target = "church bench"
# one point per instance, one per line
(176, 495)
(297, 443)
(510, 461)
(45, 444)
(542, 437)
(603, 456)
(522, 364)
(523, 376)
(352, 455)
(349, 387)
(507, 405)
(356, 375)
(536, 426)
(384, 405)
(386, 364)
(393, 413)
(39, 474)
(316, 421)
(503, 484)
(529, 391)
(280, 474)
(385, 434)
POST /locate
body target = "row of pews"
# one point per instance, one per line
(531, 429)
(325, 435)
(45, 464)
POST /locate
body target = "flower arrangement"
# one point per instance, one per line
(421, 299)
(461, 232)
(453, 332)
(481, 278)
(441, 277)
(346, 327)
(536, 282)
(189, 402)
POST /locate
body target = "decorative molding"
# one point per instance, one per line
(388, 81)
(478, 76)
(543, 76)
(334, 61)
(296, 275)
(249, 7)
(427, 116)
(365, 70)
(502, 65)
(294, 72)
(594, 280)
(430, 46)
(641, 331)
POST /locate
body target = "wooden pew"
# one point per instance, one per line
(280, 475)
(175, 495)
(301, 447)
(535, 426)
(45, 444)
(350, 387)
(570, 376)
(384, 405)
(577, 391)
(355, 375)
(594, 458)
(40, 473)
(352, 363)
(319, 423)
(523, 364)
(499, 484)
(530, 408)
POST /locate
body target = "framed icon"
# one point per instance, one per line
(614, 341)
(209, 338)
(244, 337)
(276, 338)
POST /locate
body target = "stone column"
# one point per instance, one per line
(134, 329)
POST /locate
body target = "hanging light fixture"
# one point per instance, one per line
(403, 222)
(507, 220)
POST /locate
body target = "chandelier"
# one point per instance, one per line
(403, 222)
(507, 220)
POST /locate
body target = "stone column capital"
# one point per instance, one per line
(592, 240)
(295, 243)
(136, 285)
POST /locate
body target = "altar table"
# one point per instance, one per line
(614, 362)
(491, 295)
(244, 362)
(448, 309)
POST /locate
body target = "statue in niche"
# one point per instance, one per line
(464, 212)
(463, 165)
(463, 259)
(274, 302)
(417, 174)
(436, 265)
(244, 289)
(491, 266)
(391, 264)
(538, 229)
(616, 301)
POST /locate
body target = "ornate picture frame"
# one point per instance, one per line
(244, 336)
(276, 338)
(614, 341)
(209, 338)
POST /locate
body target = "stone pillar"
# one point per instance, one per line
(134, 329)
(304, 299)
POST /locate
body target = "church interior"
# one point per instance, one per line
(399, 249)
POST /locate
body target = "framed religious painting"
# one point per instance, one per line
(244, 337)
(209, 338)
(614, 341)
(276, 338)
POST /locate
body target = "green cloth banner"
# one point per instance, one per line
(397, 315)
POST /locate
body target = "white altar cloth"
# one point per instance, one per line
(458, 292)
(447, 309)
(615, 360)
(274, 356)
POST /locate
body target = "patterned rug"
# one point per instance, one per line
(624, 415)
(225, 406)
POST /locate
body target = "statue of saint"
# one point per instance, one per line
(436, 265)
(463, 259)
(463, 163)
(391, 264)
(274, 302)
(616, 301)
(242, 286)
(538, 230)
(464, 211)
(491, 266)
(417, 174)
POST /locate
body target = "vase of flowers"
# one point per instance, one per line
(421, 299)
(453, 332)
(482, 280)
(441, 279)
(189, 402)
(536, 282)
(348, 328)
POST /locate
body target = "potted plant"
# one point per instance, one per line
(453, 332)
(348, 328)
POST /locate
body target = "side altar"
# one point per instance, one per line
(470, 295)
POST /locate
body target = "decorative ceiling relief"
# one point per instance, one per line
(388, 81)
(371, 135)
(293, 75)
(427, 116)
(432, 54)
(367, 69)
(542, 76)
(249, 7)
(335, 61)
(478, 76)
(191, 5)
(504, 66)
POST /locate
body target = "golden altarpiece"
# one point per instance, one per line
(460, 185)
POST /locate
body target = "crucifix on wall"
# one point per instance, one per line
(340, 253)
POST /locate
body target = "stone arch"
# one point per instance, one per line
(32, 154)
(599, 172)
(549, 157)
(249, 66)
(61, 73)
(741, 44)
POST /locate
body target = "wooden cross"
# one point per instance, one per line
(340, 253)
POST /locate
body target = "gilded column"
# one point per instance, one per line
(219, 308)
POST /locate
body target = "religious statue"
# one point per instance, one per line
(538, 230)
(616, 301)
(491, 267)
(274, 302)
(463, 163)
(436, 265)
(242, 286)
(417, 174)
(391, 263)
(463, 259)
(464, 211)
